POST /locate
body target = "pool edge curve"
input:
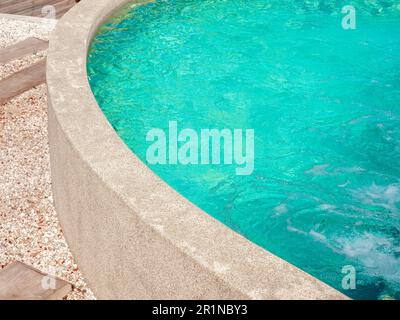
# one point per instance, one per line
(131, 234)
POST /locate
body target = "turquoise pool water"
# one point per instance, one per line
(324, 104)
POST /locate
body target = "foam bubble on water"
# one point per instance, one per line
(322, 239)
(281, 209)
(318, 236)
(318, 170)
(291, 228)
(314, 234)
(343, 185)
(376, 254)
(326, 207)
(386, 296)
(354, 121)
(348, 170)
(382, 196)
(392, 194)
(355, 169)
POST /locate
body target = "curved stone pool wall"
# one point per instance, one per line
(131, 234)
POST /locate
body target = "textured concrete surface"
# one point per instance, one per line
(132, 235)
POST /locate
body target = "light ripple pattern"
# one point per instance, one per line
(324, 103)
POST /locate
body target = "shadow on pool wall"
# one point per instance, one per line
(132, 235)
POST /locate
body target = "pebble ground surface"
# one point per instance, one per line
(29, 229)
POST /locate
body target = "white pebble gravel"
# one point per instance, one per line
(29, 228)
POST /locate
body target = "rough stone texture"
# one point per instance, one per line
(131, 234)
(29, 228)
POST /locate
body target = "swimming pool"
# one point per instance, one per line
(324, 105)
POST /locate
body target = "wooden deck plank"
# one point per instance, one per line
(22, 81)
(21, 282)
(18, 6)
(22, 49)
(61, 7)
(34, 7)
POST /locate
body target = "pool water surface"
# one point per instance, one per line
(324, 103)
